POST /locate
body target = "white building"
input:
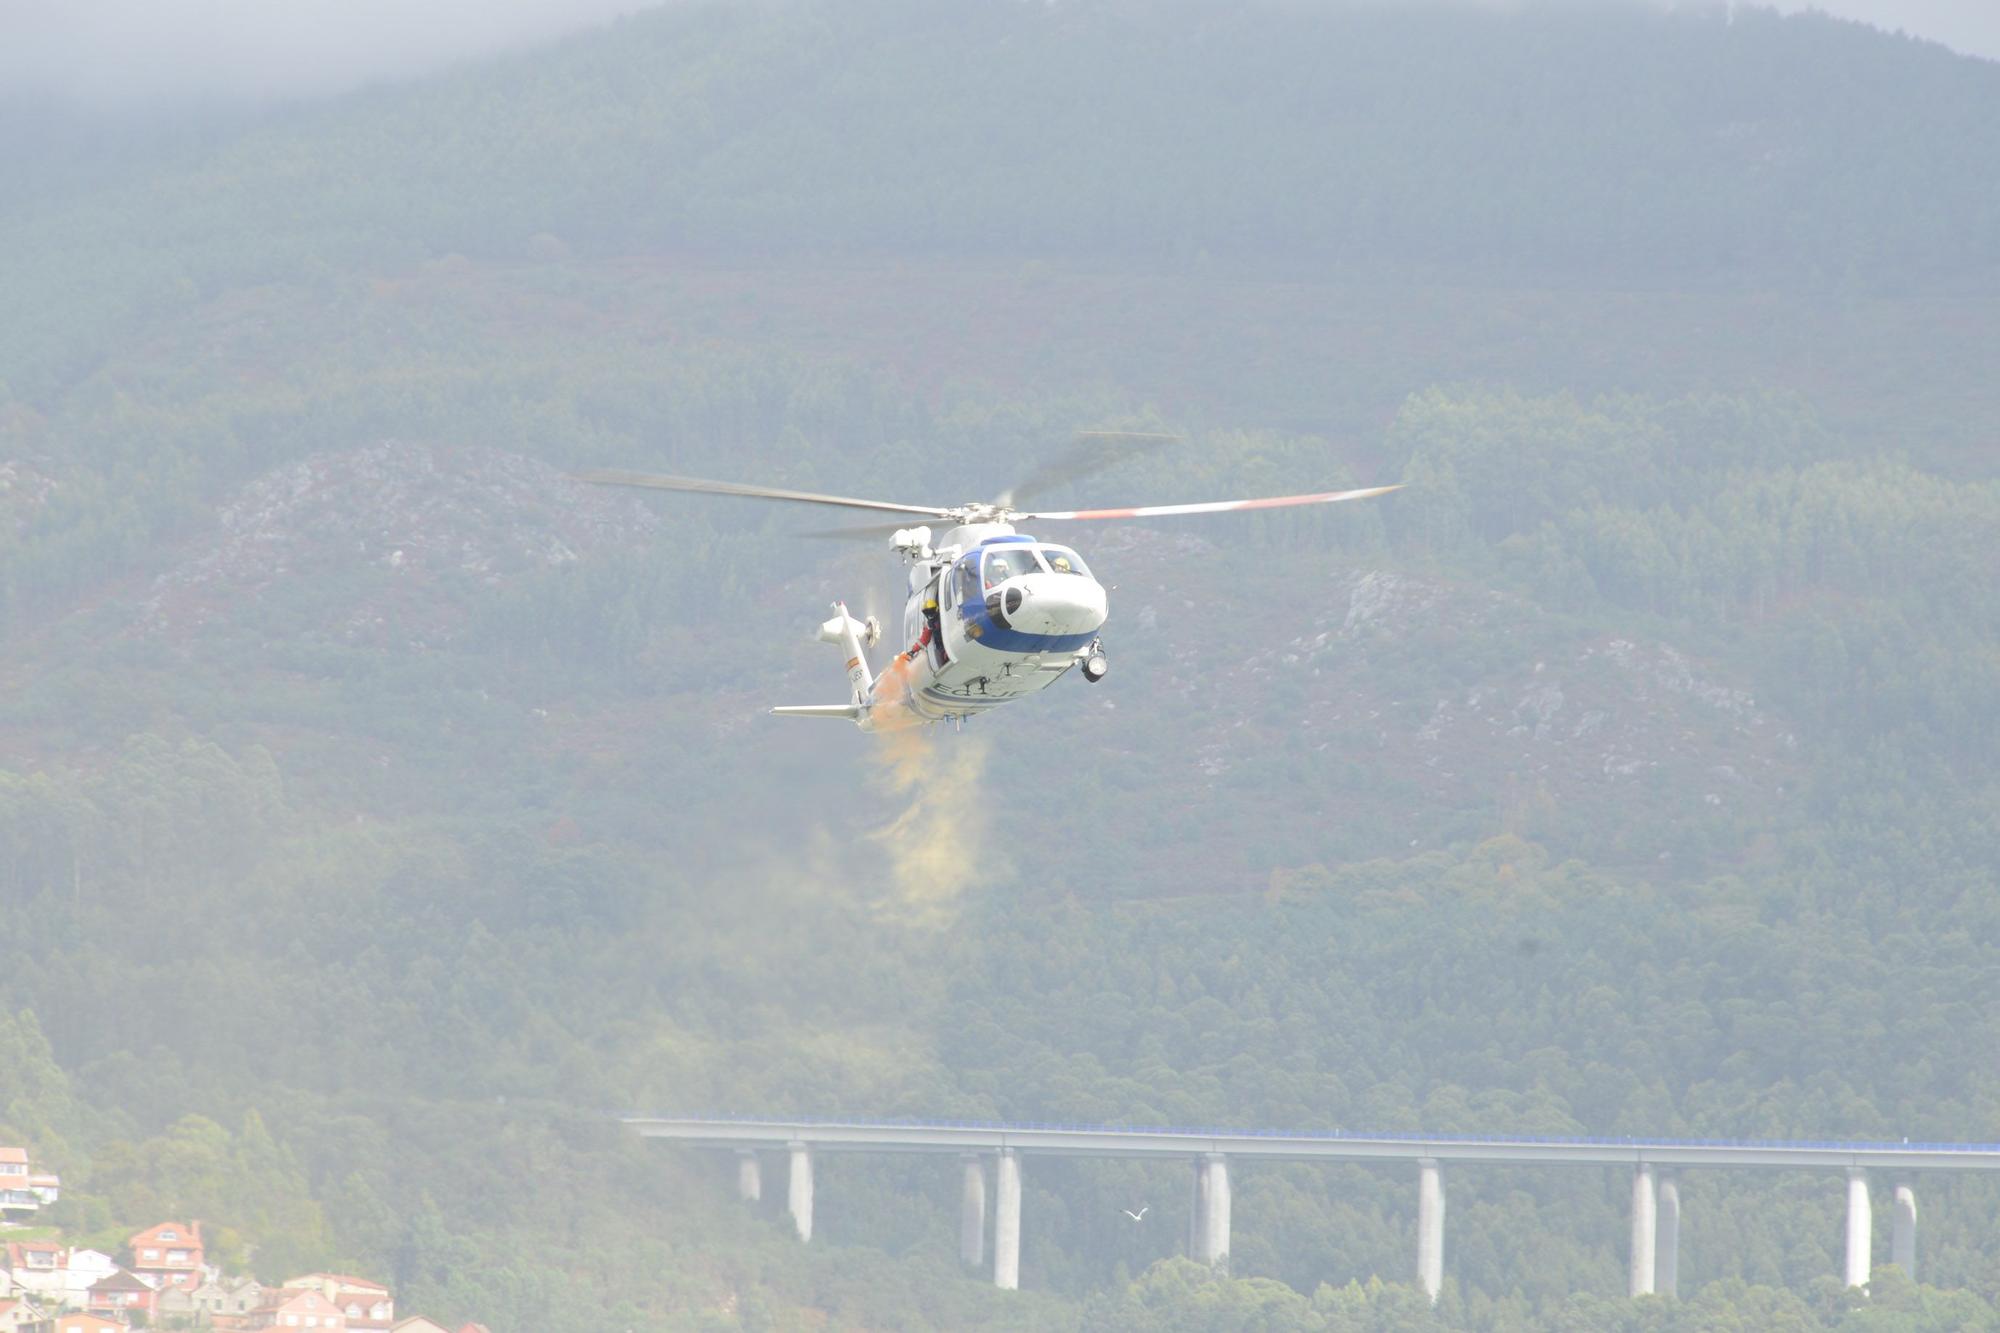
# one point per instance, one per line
(24, 1190)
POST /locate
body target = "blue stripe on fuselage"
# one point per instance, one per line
(1005, 640)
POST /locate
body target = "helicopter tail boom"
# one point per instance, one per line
(852, 712)
(850, 636)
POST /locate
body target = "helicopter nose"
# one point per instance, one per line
(1059, 604)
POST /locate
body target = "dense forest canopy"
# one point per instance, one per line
(1612, 142)
(380, 809)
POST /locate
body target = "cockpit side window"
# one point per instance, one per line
(968, 582)
(1064, 561)
(1010, 562)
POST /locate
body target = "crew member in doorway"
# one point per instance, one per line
(933, 627)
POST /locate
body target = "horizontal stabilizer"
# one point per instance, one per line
(852, 712)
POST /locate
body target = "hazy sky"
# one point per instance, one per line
(1971, 26)
(123, 51)
(126, 51)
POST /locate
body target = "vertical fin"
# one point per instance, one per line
(846, 631)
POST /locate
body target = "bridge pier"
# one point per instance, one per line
(972, 1211)
(799, 1189)
(1645, 1219)
(1007, 1222)
(1430, 1227)
(1667, 1240)
(1215, 1211)
(1196, 1182)
(749, 1175)
(1860, 1228)
(1903, 1240)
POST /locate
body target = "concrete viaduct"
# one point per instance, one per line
(1655, 1265)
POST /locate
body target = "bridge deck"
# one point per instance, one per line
(1344, 1145)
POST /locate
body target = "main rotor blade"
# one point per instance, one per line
(1215, 506)
(1092, 451)
(660, 482)
(868, 532)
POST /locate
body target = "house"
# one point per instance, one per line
(18, 1314)
(475, 1328)
(366, 1303)
(16, 1201)
(169, 1255)
(23, 1190)
(82, 1270)
(177, 1307)
(87, 1323)
(284, 1309)
(368, 1314)
(36, 1266)
(222, 1303)
(336, 1284)
(416, 1323)
(121, 1295)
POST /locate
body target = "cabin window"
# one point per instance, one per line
(1064, 561)
(968, 582)
(1010, 562)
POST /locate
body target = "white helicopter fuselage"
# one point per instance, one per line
(992, 615)
(1007, 616)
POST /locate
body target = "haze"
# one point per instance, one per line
(397, 846)
(138, 52)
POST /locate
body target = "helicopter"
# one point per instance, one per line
(993, 614)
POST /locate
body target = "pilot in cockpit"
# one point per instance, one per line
(1004, 565)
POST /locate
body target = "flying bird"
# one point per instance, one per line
(1138, 1215)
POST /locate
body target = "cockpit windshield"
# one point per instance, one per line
(1064, 561)
(1009, 562)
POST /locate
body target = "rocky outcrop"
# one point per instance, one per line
(379, 543)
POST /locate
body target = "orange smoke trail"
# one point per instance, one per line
(892, 711)
(938, 845)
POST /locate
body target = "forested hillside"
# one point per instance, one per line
(381, 810)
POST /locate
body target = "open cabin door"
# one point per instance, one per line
(954, 586)
(943, 619)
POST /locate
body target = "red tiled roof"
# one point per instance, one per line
(342, 1280)
(17, 1250)
(14, 1155)
(305, 1298)
(87, 1323)
(187, 1235)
